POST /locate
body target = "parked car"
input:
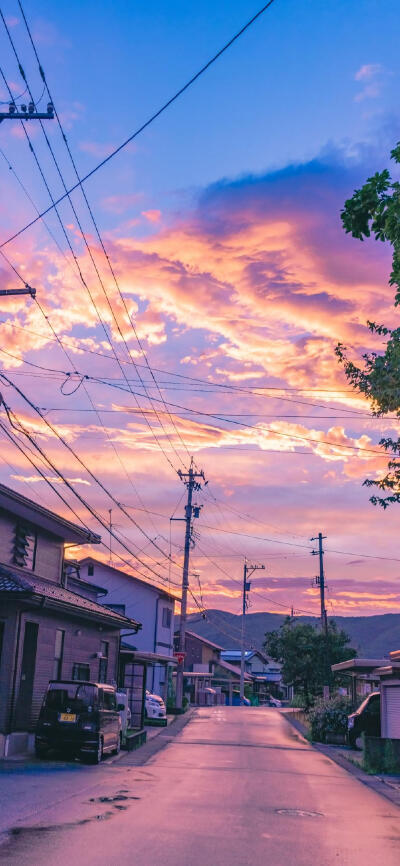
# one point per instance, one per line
(273, 702)
(79, 718)
(236, 700)
(124, 712)
(367, 719)
(154, 707)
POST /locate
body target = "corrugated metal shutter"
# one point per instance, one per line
(393, 711)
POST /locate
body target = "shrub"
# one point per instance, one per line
(298, 701)
(329, 716)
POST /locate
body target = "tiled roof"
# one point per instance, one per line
(11, 581)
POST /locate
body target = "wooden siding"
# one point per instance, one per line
(8, 615)
(77, 648)
(7, 537)
(49, 549)
(49, 556)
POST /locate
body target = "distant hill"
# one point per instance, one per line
(372, 636)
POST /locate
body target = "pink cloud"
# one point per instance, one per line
(153, 216)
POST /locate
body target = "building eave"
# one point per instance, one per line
(32, 512)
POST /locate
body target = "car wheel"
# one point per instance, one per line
(40, 751)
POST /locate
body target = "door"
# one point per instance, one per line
(23, 709)
(392, 707)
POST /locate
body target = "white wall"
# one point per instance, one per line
(143, 603)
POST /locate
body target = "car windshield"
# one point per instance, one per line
(77, 698)
(370, 700)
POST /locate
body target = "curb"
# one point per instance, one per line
(155, 744)
(380, 785)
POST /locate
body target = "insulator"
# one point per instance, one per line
(23, 108)
(12, 108)
(31, 108)
(50, 108)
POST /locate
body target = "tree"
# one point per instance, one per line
(375, 209)
(305, 652)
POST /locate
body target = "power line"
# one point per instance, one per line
(150, 119)
(294, 544)
(100, 239)
(82, 279)
(80, 461)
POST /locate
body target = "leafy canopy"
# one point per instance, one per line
(305, 654)
(375, 210)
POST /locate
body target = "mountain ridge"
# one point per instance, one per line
(372, 636)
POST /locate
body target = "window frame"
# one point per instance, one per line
(167, 616)
(80, 665)
(58, 659)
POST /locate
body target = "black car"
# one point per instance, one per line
(79, 718)
(367, 719)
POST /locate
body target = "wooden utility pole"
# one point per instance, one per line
(320, 580)
(190, 480)
(247, 571)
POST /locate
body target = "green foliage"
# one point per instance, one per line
(306, 655)
(375, 209)
(329, 717)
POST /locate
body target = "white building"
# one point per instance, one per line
(156, 606)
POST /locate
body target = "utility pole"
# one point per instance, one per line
(247, 571)
(190, 481)
(28, 290)
(320, 581)
(28, 112)
(110, 525)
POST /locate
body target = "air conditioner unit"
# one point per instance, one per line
(99, 656)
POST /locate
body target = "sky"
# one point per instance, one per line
(222, 225)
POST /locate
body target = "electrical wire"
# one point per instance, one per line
(79, 460)
(82, 279)
(100, 239)
(150, 120)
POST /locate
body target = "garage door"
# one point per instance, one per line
(392, 694)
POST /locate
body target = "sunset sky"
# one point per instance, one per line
(222, 224)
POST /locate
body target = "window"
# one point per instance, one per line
(58, 654)
(166, 617)
(90, 569)
(80, 671)
(103, 663)
(117, 608)
(78, 698)
(25, 546)
(109, 701)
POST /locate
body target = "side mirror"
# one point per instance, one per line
(120, 707)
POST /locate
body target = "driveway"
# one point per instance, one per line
(236, 786)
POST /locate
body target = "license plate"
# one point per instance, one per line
(67, 717)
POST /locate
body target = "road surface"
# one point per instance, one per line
(236, 786)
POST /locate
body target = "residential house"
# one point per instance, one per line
(153, 646)
(201, 656)
(47, 630)
(205, 671)
(266, 674)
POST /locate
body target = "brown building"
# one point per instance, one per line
(47, 631)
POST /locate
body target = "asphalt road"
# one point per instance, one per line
(237, 786)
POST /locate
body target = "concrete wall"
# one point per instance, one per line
(142, 602)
